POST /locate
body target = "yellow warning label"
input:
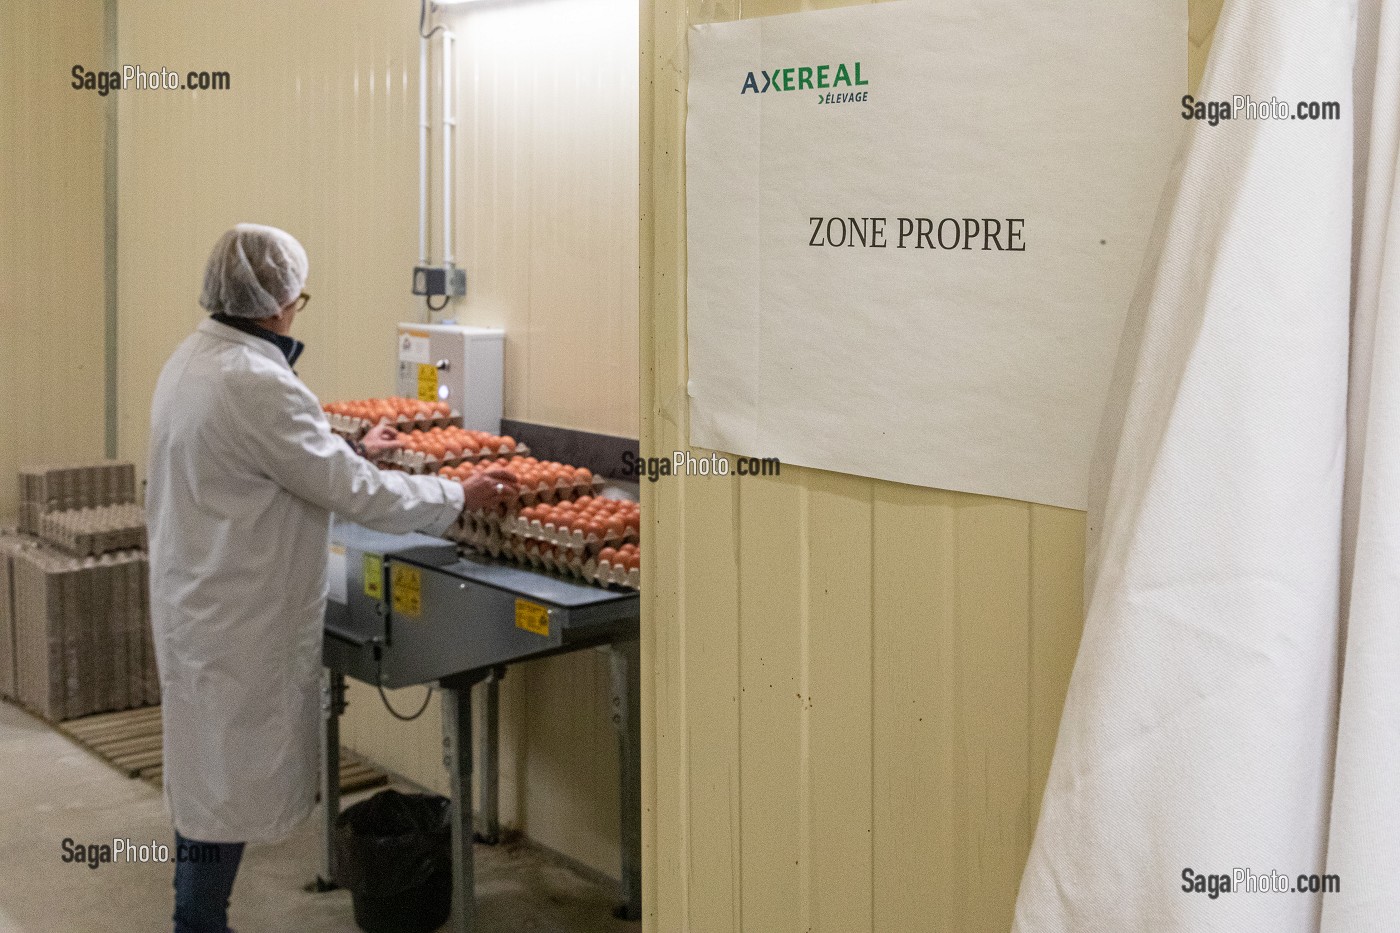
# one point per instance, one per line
(374, 576)
(532, 617)
(406, 583)
(427, 382)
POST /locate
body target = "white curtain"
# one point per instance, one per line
(1236, 700)
(1364, 837)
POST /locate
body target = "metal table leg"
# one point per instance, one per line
(332, 705)
(489, 818)
(457, 757)
(627, 719)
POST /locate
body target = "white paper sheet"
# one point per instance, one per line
(982, 369)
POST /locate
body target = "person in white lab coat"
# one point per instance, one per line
(243, 476)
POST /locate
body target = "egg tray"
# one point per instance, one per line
(44, 489)
(483, 522)
(356, 428)
(483, 533)
(82, 633)
(96, 530)
(538, 555)
(12, 544)
(547, 495)
(571, 539)
(412, 461)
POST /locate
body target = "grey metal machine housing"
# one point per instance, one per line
(413, 611)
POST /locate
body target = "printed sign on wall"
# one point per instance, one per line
(914, 229)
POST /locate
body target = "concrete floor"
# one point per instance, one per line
(51, 789)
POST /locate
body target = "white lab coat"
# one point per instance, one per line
(244, 473)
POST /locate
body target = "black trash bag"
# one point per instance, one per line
(394, 854)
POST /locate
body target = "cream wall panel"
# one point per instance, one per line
(769, 632)
(571, 809)
(837, 704)
(1057, 555)
(1204, 14)
(319, 135)
(52, 359)
(546, 174)
(915, 699)
(708, 606)
(853, 687)
(546, 180)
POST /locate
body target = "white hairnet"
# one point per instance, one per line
(254, 271)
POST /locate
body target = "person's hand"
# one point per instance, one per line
(489, 490)
(379, 440)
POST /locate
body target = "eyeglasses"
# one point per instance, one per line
(302, 301)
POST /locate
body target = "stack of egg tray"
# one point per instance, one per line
(61, 488)
(413, 461)
(356, 428)
(82, 633)
(96, 529)
(500, 537)
(11, 544)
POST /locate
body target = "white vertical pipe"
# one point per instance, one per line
(448, 122)
(422, 151)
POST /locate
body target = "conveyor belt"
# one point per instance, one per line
(415, 611)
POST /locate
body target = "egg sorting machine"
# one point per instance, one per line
(409, 609)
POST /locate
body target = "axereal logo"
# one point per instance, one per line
(823, 78)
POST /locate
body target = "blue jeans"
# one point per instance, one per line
(204, 873)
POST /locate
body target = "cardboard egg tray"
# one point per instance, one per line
(355, 428)
(411, 461)
(542, 555)
(559, 492)
(486, 532)
(475, 527)
(615, 574)
(478, 534)
(11, 544)
(96, 529)
(82, 633)
(571, 539)
(45, 489)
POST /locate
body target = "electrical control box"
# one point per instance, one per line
(463, 366)
(445, 280)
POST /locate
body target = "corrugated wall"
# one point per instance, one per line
(546, 169)
(854, 686)
(51, 239)
(319, 135)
